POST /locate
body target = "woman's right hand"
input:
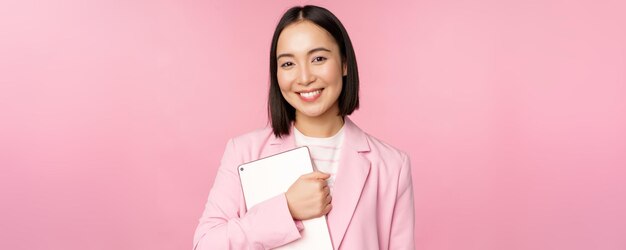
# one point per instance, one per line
(309, 197)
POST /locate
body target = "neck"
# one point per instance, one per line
(324, 126)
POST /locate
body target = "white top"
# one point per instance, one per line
(325, 152)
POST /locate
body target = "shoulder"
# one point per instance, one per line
(385, 151)
(376, 150)
(244, 148)
(252, 139)
(389, 162)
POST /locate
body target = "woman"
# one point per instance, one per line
(362, 184)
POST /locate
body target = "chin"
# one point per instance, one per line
(311, 113)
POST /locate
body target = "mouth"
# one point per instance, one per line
(310, 95)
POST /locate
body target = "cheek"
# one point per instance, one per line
(283, 81)
(332, 73)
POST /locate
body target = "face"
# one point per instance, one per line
(310, 69)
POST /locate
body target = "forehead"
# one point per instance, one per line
(302, 36)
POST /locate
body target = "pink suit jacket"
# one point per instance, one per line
(372, 198)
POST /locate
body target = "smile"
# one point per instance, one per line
(310, 95)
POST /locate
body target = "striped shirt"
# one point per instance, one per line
(325, 152)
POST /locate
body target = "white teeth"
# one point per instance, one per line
(310, 94)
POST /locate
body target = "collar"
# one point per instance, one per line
(355, 138)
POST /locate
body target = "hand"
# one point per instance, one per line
(309, 197)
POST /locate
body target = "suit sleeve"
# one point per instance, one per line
(403, 221)
(267, 225)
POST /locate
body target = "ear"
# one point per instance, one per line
(345, 68)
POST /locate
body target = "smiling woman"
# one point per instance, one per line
(362, 185)
(311, 51)
(310, 74)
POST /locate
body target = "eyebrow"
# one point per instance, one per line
(308, 53)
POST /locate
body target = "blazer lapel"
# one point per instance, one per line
(279, 145)
(351, 175)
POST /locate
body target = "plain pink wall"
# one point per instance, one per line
(114, 115)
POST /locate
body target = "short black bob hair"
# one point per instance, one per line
(281, 113)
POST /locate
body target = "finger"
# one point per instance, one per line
(318, 175)
(322, 184)
(327, 209)
(325, 175)
(328, 200)
(326, 190)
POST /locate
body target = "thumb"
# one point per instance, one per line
(318, 175)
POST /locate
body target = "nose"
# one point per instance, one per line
(306, 77)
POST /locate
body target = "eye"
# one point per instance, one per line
(319, 59)
(287, 64)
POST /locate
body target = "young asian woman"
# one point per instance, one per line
(362, 184)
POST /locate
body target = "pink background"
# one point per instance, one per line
(114, 115)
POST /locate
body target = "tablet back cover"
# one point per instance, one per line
(267, 177)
